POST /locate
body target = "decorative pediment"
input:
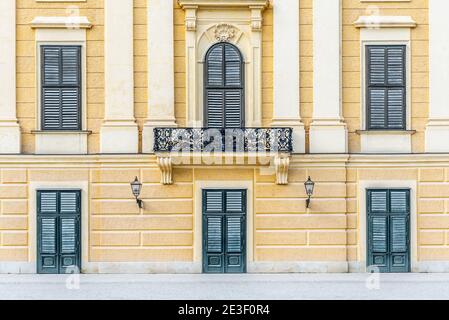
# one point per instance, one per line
(255, 6)
(376, 21)
(223, 3)
(71, 22)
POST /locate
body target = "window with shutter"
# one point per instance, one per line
(386, 87)
(389, 230)
(59, 229)
(224, 235)
(224, 87)
(61, 87)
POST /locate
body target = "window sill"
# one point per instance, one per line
(385, 132)
(386, 141)
(87, 132)
(61, 142)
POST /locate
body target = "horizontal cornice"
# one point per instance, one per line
(297, 160)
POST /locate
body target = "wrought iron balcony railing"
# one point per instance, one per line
(223, 140)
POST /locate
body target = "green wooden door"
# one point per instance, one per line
(224, 231)
(389, 229)
(58, 231)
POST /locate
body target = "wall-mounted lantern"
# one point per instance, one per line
(309, 185)
(136, 187)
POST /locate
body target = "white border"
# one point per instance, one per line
(385, 141)
(57, 41)
(32, 216)
(362, 228)
(72, 142)
(200, 37)
(385, 37)
(198, 212)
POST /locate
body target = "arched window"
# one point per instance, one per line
(224, 87)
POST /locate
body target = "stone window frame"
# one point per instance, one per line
(385, 31)
(61, 31)
(202, 19)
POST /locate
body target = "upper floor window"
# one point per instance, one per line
(61, 87)
(386, 87)
(224, 87)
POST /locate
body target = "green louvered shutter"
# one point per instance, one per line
(59, 229)
(399, 230)
(214, 249)
(386, 87)
(224, 93)
(378, 229)
(47, 218)
(70, 229)
(224, 231)
(235, 244)
(61, 87)
(388, 230)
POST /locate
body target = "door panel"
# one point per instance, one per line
(214, 244)
(69, 237)
(235, 201)
(224, 231)
(214, 201)
(234, 234)
(389, 230)
(214, 234)
(70, 202)
(48, 202)
(378, 202)
(48, 258)
(399, 202)
(398, 234)
(235, 244)
(379, 234)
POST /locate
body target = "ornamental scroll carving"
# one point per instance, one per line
(224, 32)
(165, 164)
(282, 165)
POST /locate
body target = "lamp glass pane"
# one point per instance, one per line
(136, 186)
(309, 185)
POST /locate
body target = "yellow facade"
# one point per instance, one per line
(283, 229)
(166, 235)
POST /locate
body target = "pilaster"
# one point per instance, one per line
(328, 132)
(287, 71)
(437, 131)
(161, 82)
(9, 128)
(119, 132)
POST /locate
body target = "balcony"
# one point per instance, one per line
(258, 146)
(252, 140)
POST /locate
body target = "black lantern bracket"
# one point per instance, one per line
(309, 186)
(136, 188)
(139, 203)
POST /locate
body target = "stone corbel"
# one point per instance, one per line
(256, 18)
(190, 18)
(282, 164)
(165, 164)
